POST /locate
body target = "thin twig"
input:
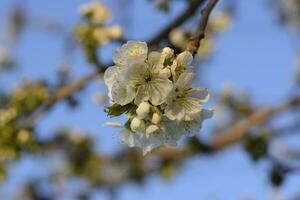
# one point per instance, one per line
(194, 42)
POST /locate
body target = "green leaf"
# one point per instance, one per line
(117, 109)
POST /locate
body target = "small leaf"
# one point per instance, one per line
(117, 109)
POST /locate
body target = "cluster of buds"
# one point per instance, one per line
(93, 31)
(96, 15)
(154, 90)
(26, 97)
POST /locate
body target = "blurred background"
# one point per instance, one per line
(53, 140)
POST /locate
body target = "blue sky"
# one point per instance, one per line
(255, 55)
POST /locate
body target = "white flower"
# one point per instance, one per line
(181, 64)
(96, 11)
(184, 101)
(155, 93)
(129, 52)
(143, 110)
(150, 83)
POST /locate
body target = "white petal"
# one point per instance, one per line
(174, 111)
(206, 114)
(201, 93)
(113, 124)
(141, 95)
(136, 72)
(158, 89)
(152, 142)
(185, 59)
(151, 129)
(110, 75)
(184, 81)
(191, 105)
(172, 132)
(122, 93)
(130, 138)
(155, 64)
(131, 52)
(165, 72)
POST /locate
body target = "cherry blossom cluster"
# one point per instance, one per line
(154, 91)
(96, 16)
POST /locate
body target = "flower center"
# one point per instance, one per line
(147, 78)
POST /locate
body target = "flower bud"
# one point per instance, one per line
(136, 124)
(143, 110)
(155, 118)
(167, 52)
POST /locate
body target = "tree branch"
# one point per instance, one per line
(194, 42)
(239, 130)
(188, 13)
(57, 95)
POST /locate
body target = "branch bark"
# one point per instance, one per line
(239, 130)
(57, 95)
(194, 42)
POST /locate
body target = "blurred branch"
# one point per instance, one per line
(59, 94)
(194, 42)
(237, 131)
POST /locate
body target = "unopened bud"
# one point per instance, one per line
(143, 110)
(155, 118)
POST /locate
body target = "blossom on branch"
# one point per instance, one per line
(154, 90)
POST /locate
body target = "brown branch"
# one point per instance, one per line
(239, 130)
(194, 42)
(187, 14)
(57, 95)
